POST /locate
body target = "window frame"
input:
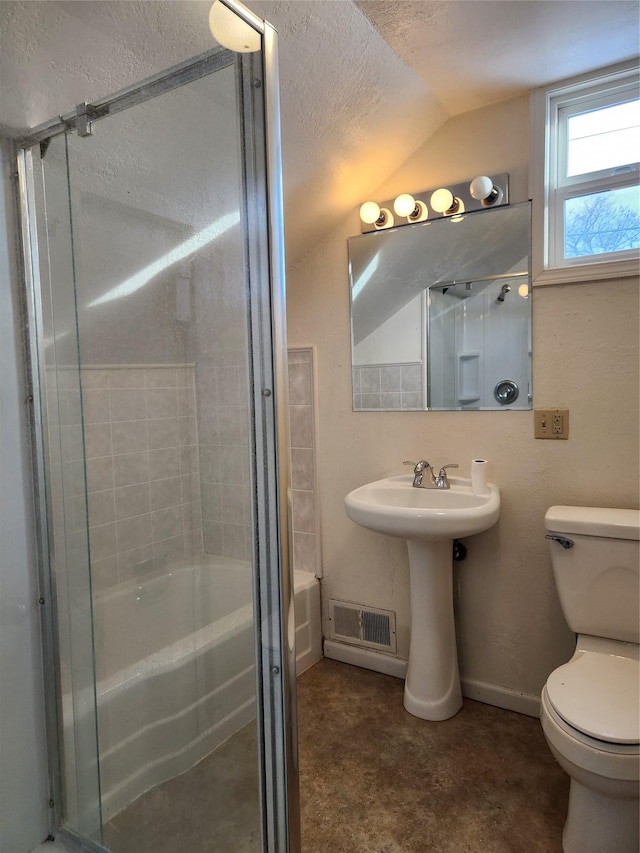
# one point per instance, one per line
(551, 106)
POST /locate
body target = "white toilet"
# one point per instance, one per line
(589, 710)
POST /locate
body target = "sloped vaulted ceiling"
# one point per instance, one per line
(471, 53)
(363, 84)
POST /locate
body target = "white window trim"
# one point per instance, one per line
(541, 130)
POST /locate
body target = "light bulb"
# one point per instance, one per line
(484, 190)
(523, 291)
(229, 30)
(369, 212)
(443, 201)
(404, 205)
(480, 187)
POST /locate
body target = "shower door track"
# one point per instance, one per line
(173, 78)
(276, 649)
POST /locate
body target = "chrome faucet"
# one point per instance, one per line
(418, 474)
(439, 482)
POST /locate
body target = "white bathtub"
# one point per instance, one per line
(175, 669)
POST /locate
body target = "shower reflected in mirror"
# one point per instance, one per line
(441, 314)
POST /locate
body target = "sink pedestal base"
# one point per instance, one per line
(432, 688)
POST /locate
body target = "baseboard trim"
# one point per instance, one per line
(366, 658)
(501, 697)
(481, 691)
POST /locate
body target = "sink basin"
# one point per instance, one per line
(429, 520)
(394, 507)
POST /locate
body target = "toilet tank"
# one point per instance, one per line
(598, 577)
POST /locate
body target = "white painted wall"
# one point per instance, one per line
(585, 356)
(397, 340)
(23, 773)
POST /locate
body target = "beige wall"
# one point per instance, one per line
(585, 356)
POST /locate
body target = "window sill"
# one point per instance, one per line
(588, 273)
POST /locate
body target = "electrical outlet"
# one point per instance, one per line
(551, 423)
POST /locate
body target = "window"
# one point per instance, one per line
(587, 191)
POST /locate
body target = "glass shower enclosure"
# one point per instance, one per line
(153, 253)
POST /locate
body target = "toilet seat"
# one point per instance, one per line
(597, 694)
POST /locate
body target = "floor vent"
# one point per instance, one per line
(362, 626)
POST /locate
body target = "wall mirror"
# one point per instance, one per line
(441, 313)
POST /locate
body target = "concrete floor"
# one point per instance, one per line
(373, 779)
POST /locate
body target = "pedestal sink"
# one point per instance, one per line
(429, 520)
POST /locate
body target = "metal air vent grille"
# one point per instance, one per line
(362, 626)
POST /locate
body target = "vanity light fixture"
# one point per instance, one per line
(407, 206)
(454, 202)
(229, 30)
(372, 214)
(485, 191)
(444, 201)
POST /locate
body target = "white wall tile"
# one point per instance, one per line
(127, 377)
(133, 532)
(97, 440)
(132, 500)
(130, 468)
(127, 404)
(95, 404)
(301, 418)
(102, 539)
(163, 433)
(165, 493)
(161, 403)
(129, 436)
(101, 507)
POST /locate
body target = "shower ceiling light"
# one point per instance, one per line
(229, 30)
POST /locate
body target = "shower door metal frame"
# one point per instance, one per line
(274, 619)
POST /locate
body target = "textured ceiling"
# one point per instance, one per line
(470, 53)
(363, 84)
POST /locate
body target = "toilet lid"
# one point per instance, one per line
(598, 694)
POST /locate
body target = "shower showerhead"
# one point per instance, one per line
(503, 292)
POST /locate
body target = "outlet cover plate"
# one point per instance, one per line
(551, 423)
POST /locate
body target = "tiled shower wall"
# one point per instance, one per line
(167, 463)
(306, 522)
(221, 382)
(142, 468)
(224, 450)
(396, 387)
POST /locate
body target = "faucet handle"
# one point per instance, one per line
(444, 468)
(441, 480)
(418, 466)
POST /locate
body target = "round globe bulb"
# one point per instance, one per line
(523, 291)
(231, 31)
(404, 205)
(369, 212)
(442, 200)
(481, 187)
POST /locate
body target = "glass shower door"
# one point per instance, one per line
(152, 295)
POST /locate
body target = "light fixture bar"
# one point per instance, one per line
(489, 191)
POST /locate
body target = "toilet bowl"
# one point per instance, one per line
(603, 805)
(590, 705)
